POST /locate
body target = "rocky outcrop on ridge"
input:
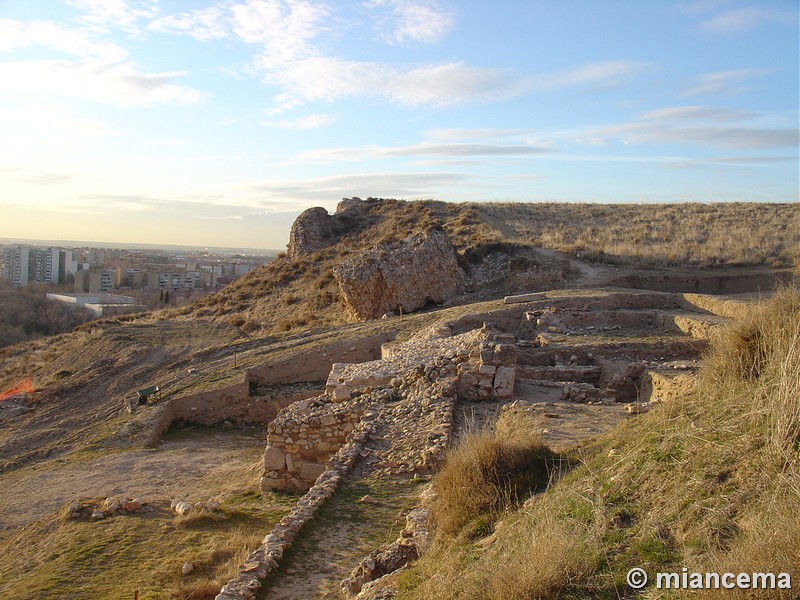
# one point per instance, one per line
(311, 231)
(422, 269)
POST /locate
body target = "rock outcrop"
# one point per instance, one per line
(422, 269)
(311, 231)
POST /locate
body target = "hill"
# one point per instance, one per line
(696, 479)
(495, 243)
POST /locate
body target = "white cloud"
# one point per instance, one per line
(314, 121)
(119, 14)
(603, 72)
(719, 128)
(455, 150)
(120, 84)
(697, 113)
(284, 27)
(414, 21)
(299, 194)
(204, 24)
(27, 34)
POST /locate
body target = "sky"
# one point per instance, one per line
(217, 122)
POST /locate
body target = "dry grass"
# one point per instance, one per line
(66, 558)
(485, 475)
(710, 482)
(656, 234)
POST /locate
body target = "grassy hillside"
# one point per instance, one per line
(292, 295)
(656, 234)
(711, 483)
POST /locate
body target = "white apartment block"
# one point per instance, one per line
(16, 261)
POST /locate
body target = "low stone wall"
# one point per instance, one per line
(664, 385)
(305, 436)
(722, 307)
(264, 560)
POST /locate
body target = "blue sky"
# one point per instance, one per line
(216, 122)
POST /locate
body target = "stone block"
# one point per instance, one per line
(504, 382)
(487, 369)
(505, 354)
(310, 471)
(274, 459)
(341, 393)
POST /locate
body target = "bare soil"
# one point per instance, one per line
(185, 466)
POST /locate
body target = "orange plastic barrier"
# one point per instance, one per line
(22, 388)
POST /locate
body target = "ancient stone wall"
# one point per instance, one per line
(304, 438)
(421, 269)
(264, 560)
(490, 372)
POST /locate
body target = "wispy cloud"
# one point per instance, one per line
(737, 21)
(297, 194)
(707, 126)
(205, 24)
(603, 72)
(425, 149)
(29, 34)
(413, 21)
(36, 177)
(730, 82)
(697, 113)
(291, 56)
(120, 84)
(118, 14)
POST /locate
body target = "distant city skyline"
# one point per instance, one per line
(214, 123)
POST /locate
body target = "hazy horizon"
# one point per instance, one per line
(216, 123)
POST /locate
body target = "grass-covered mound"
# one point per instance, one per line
(710, 483)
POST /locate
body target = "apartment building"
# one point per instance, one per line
(16, 263)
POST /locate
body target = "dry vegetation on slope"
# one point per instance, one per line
(656, 234)
(292, 295)
(710, 482)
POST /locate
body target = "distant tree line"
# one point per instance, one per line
(27, 314)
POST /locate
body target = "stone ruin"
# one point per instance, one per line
(428, 371)
(395, 415)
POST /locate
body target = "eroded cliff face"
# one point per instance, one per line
(421, 269)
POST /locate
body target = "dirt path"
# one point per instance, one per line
(186, 465)
(343, 532)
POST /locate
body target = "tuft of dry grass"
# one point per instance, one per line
(485, 475)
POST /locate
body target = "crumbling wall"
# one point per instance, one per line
(490, 371)
(263, 561)
(302, 440)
